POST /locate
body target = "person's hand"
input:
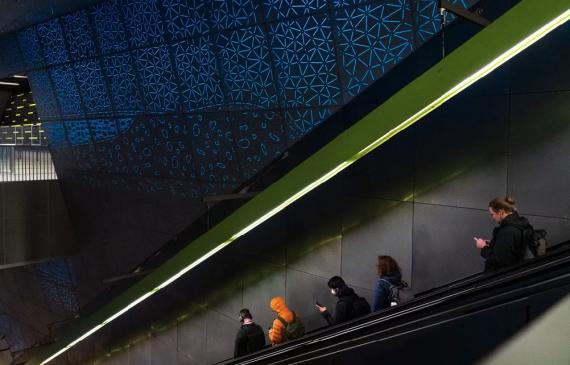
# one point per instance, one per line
(480, 243)
(321, 309)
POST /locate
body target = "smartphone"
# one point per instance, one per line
(318, 304)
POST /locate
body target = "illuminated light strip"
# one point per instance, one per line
(20, 76)
(9, 83)
(496, 62)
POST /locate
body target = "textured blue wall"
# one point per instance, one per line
(205, 93)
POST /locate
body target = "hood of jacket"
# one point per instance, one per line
(278, 305)
(346, 292)
(515, 220)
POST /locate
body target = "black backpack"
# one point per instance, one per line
(360, 307)
(534, 242)
(294, 329)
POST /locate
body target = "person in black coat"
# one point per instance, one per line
(507, 247)
(344, 310)
(250, 337)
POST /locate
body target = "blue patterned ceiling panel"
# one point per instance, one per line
(31, 49)
(186, 18)
(305, 61)
(230, 14)
(86, 158)
(66, 91)
(51, 38)
(214, 150)
(159, 146)
(260, 139)
(372, 39)
(78, 34)
(123, 84)
(123, 124)
(208, 92)
(92, 85)
(55, 134)
(103, 129)
(41, 84)
(283, 9)
(158, 81)
(199, 77)
(299, 122)
(109, 28)
(77, 132)
(143, 21)
(246, 69)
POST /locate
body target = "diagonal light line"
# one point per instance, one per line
(341, 165)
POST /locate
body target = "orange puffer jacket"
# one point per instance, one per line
(276, 333)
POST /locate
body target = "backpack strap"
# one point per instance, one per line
(285, 323)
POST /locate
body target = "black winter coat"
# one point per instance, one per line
(343, 310)
(507, 246)
(250, 338)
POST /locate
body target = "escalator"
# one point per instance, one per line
(458, 323)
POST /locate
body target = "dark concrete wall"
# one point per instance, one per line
(34, 223)
(420, 198)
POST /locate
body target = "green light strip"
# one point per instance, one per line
(520, 27)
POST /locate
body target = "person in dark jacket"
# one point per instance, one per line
(250, 337)
(507, 247)
(346, 299)
(389, 274)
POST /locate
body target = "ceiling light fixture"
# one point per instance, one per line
(516, 30)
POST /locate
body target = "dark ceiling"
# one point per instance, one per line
(18, 14)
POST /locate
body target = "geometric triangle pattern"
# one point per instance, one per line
(205, 94)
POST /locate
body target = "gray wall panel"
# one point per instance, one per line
(262, 284)
(163, 349)
(540, 162)
(228, 300)
(182, 359)
(25, 240)
(302, 253)
(375, 227)
(26, 199)
(544, 66)
(444, 249)
(140, 353)
(461, 152)
(220, 336)
(386, 173)
(303, 290)
(192, 337)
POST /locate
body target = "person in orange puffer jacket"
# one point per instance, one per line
(278, 305)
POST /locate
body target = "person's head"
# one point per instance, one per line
(278, 305)
(336, 284)
(243, 314)
(387, 266)
(500, 208)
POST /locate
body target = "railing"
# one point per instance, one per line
(23, 163)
